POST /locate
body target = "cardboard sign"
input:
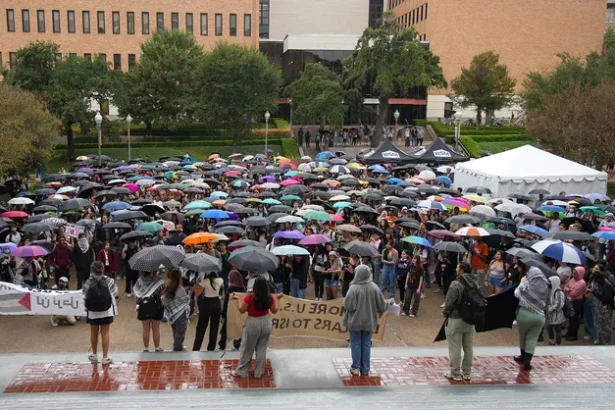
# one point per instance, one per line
(73, 230)
(301, 317)
(17, 300)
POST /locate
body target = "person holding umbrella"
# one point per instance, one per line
(83, 256)
(129, 250)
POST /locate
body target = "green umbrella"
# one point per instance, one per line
(593, 209)
(317, 216)
(135, 178)
(290, 198)
(152, 227)
(194, 212)
(342, 204)
(147, 166)
(271, 201)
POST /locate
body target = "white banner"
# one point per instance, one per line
(17, 300)
(73, 230)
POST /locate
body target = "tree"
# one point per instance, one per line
(162, 85)
(393, 61)
(34, 68)
(237, 85)
(485, 85)
(27, 130)
(317, 97)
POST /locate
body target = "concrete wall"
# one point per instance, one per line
(297, 17)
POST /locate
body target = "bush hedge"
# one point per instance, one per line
(290, 148)
(443, 131)
(171, 144)
(473, 148)
(450, 139)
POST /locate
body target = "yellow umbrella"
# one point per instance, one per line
(363, 183)
(213, 156)
(354, 165)
(218, 202)
(475, 198)
(331, 182)
(282, 159)
(340, 198)
(320, 169)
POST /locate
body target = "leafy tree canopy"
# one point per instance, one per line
(33, 70)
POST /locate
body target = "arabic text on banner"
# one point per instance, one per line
(17, 300)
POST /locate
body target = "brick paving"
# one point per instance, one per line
(487, 370)
(142, 375)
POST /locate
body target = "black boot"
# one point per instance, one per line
(527, 360)
(520, 358)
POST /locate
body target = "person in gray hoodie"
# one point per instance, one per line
(363, 305)
(459, 334)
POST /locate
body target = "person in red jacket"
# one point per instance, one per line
(61, 259)
(108, 257)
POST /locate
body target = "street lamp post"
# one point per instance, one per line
(128, 121)
(267, 116)
(98, 119)
(458, 119)
(396, 115)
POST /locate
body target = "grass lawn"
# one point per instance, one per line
(199, 152)
(495, 147)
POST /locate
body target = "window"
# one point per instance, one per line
(55, 16)
(12, 59)
(115, 19)
(218, 24)
(421, 13)
(101, 22)
(609, 16)
(0, 60)
(159, 21)
(10, 20)
(264, 14)
(88, 56)
(132, 60)
(189, 23)
(203, 24)
(72, 55)
(117, 61)
(233, 24)
(174, 21)
(145, 23)
(103, 57)
(247, 25)
(426, 6)
(70, 18)
(85, 21)
(40, 21)
(130, 22)
(25, 22)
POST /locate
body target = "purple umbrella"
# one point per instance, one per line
(232, 216)
(9, 245)
(85, 170)
(31, 251)
(289, 235)
(268, 178)
(314, 240)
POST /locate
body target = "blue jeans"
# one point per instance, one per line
(294, 289)
(589, 318)
(377, 269)
(279, 287)
(360, 348)
(388, 279)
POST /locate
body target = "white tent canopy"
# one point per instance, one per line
(525, 168)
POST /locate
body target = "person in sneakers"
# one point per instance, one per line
(62, 319)
(414, 287)
(99, 293)
(148, 290)
(362, 306)
(459, 334)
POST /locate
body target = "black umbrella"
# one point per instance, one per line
(544, 268)
(524, 253)
(86, 190)
(255, 221)
(463, 219)
(371, 229)
(373, 196)
(450, 247)
(152, 209)
(411, 224)
(38, 218)
(294, 190)
(36, 228)
(135, 235)
(44, 191)
(365, 210)
(245, 211)
(586, 226)
(409, 193)
(90, 223)
(539, 191)
(274, 217)
(121, 190)
(150, 259)
(535, 217)
(501, 232)
(140, 202)
(244, 242)
(435, 224)
(168, 216)
(478, 190)
(117, 225)
(107, 194)
(73, 204)
(520, 196)
(266, 194)
(44, 208)
(570, 236)
(402, 202)
(229, 222)
(555, 198)
(128, 215)
(241, 194)
(202, 262)
(253, 259)
(236, 201)
(361, 248)
(230, 229)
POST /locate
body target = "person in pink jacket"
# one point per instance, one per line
(575, 289)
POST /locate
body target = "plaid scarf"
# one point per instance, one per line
(176, 306)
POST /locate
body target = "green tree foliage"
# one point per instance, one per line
(317, 97)
(34, 68)
(237, 85)
(162, 86)
(485, 85)
(393, 61)
(27, 130)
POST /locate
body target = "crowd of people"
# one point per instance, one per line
(366, 234)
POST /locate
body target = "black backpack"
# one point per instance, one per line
(567, 308)
(150, 305)
(473, 306)
(98, 297)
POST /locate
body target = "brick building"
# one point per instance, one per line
(527, 34)
(116, 28)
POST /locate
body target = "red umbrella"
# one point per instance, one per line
(14, 214)
(232, 174)
(444, 235)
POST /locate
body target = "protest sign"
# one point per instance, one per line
(301, 317)
(17, 300)
(73, 230)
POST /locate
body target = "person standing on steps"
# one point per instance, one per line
(83, 256)
(150, 310)
(209, 292)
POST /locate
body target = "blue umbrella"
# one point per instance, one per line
(394, 181)
(197, 205)
(444, 180)
(116, 206)
(288, 250)
(9, 245)
(214, 214)
(535, 230)
(417, 240)
(324, 156)
(552, 208)
(289, 235)
(560, 251)
(219, 194)
(379, 169)
(607, 235)
(599, 197)
(342, 204)
(238, 183)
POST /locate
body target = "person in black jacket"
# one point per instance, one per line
(604, 292)
(298, 279)
(83, 256)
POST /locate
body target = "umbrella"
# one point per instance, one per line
(288, 250)
(606, 235)
(535, 217)
(198, 238)
(135, 235)
(349, 228)
(513, 208)
(314, 240)
(524, 253)
(318, 216)
(257, 221)
(544, 268)
(539, 191)
(501, 232)
(444, 180)
(535, 230)
(290, 198)
(20, 201)
(560, 251)
(202, 262)
(253, 259)
(233, 230)
(71, 204)
(478, 190)
(570, 236)
(417, 240)
(291, 219)
(215, 214)
(152, 227)
(483, 210)
(361, 248)
(14, 214)
(244, 242)
(443, 234)
(296, 235)
(472, 231)
(427, 175)
(9, 245)
(597, 197)
(117, 225)
(429, 204)
(371, 229)
(116, 205)
(475, 198)
(520, 196)
(450, 247)
(30, 251)
(150, 259)
(463, 220)
(36, 228)
(339, 169)
(552, 208)
(128, 215)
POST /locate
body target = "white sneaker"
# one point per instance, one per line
(514, 323)
(587, 337)
(450, 376)
(93, 358)
(355, 372)
(411, 315)
(423, 296)
(107, 360)
(404, 314)
(54, 323)
(442, 306)
(129, 295)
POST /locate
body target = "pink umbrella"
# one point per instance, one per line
(288, 182)
(14, 214)
(607, 229)
(132, 187)
(337, 218)
(416, 180)
(31, 251)
(314, 240)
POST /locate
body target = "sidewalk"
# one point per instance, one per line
(557, 370)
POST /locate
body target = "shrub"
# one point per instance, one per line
(290, 148)
(443, 131)
(174, 144)
(471, 146)
(272, 133)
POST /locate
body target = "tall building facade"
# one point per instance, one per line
(115, 29)
(527, 34)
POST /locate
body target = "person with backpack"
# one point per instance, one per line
(555, 312)
(464, 308)
(83, 256)
(533, 294)
(209, 291)
(414, 287)
(177, 307)
(150, 310)
(99, 293)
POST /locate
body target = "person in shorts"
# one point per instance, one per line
(150, 310)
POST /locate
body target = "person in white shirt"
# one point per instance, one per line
(209, 291)
(14, 236)
(553, 222)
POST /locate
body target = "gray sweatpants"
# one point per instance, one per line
(255, 337)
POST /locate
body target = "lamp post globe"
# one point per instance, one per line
(128, 121)
(98, 119)
(267, 117)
